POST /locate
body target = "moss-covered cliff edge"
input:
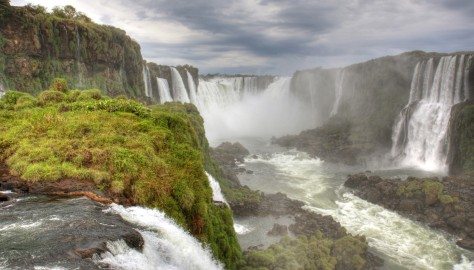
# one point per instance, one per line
(71, 141)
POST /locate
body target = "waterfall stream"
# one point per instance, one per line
(192, 88)
(420, 133)
(147, 82)
(179, 90)
(164, 90)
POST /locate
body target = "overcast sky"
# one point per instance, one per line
(281, 36)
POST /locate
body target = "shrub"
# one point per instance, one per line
(59, 84)
(51, 97)
(90, 94)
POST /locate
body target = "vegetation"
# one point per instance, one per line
(309, 252)
(152, 156)
(431, 189)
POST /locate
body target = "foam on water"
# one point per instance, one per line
(242, 229)
(400, 240)
(167, 246)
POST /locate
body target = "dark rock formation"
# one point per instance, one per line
(443, 204)
(331, 142)
(461, 139)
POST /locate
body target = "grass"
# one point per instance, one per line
(153, 156)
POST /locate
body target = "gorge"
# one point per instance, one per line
(110, 161)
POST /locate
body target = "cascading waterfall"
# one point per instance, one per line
(235, 107)
(420, 134)
(147, 82)
(192, 88)
(217, 195)
(78, 58)
(338, 91)
(164, 90)
(2, 90)
(167, 246)
(179, 90)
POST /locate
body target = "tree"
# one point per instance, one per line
(70, 12)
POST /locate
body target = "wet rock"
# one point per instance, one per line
(87, 253)
(466, 243)
(134, 240)
(3, 197)
(278, 230)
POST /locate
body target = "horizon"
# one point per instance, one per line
(281, 37)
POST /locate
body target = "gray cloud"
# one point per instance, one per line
(280, 36)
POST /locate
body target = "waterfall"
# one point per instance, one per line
(420, 133)
(217, 195)
(179, 90)
(147, 82)
(163, 90)
(192, 88)
(167, 246)
(78, 58)
(2, 90)
(338, 91)
(236, 107)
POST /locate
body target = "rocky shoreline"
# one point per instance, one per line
(444, 204)
(306, 223)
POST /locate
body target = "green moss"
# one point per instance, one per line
(310, 252)
(153, 156)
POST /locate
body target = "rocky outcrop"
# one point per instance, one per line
(461, 139)
(330, 142)
(442, 204)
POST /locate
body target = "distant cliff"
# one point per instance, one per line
(361, 102)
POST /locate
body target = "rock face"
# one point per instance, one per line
(366, 97)
(37, 46)
(461, 139)
(443, 204)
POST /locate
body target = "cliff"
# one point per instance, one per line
(36, 46)
(82, 143)
(461, 139)
(363, 100)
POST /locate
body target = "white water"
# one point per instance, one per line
(242, 229)
(179, 90)
(164, 90)
(403, 243)
(167, 246)
(147, 82)
(235, 107)
(2, 90)
(192, 88)
(339, 86)
(217, 195)
(420, 133)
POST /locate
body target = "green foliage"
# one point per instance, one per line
(309, 252)
(431, 189)
(59, 84)
(151, 156)
(49, 97)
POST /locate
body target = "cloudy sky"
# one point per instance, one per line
(281, 36)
